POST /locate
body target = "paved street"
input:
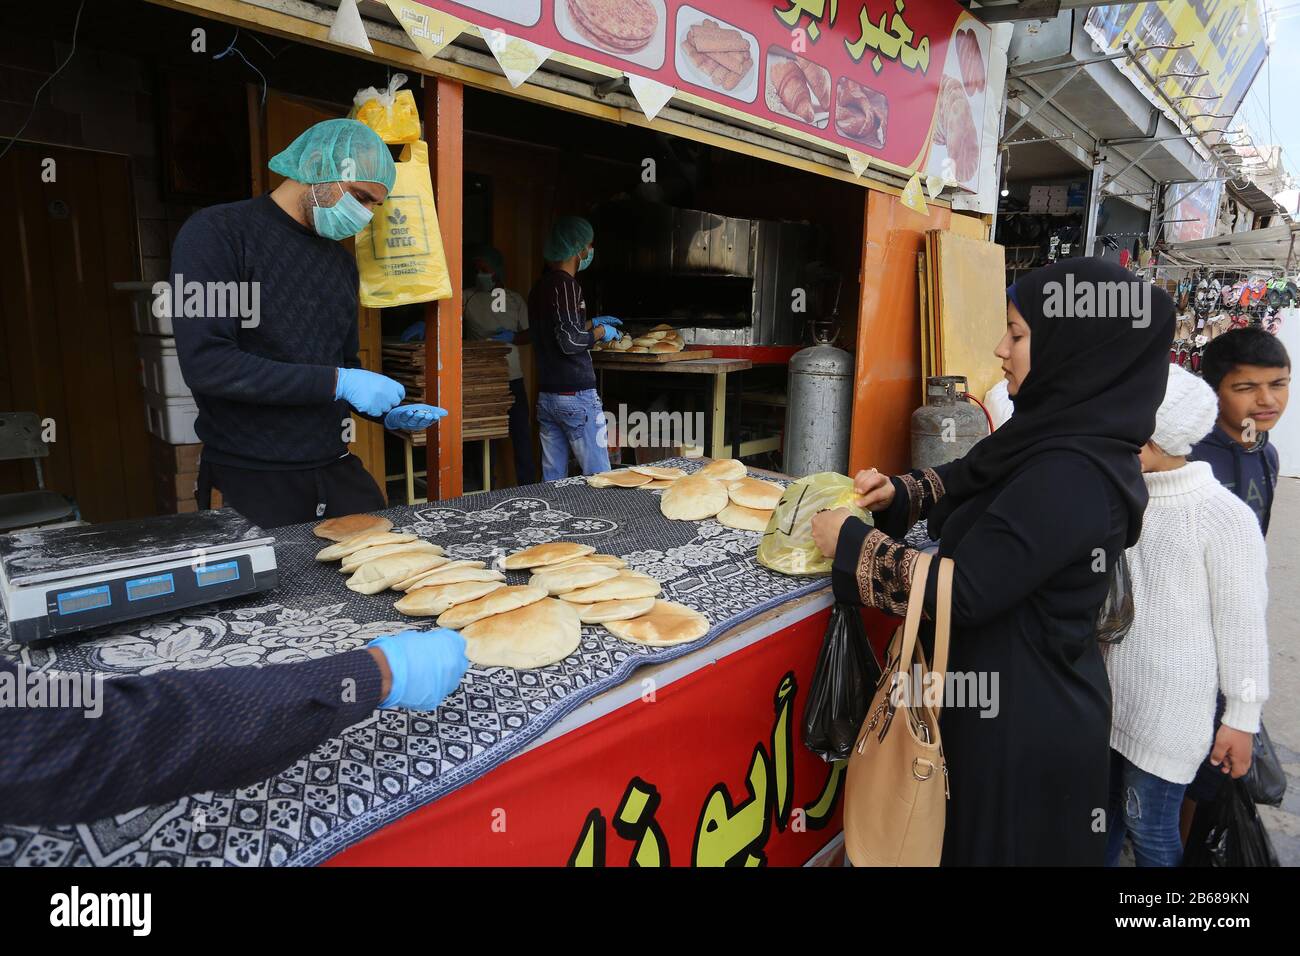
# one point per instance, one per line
(1282, 712)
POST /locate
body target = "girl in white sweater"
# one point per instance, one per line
(1199, 602)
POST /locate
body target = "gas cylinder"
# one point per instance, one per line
(946, 426)
(819, 406)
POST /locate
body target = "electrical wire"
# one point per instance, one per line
(239, 53)
(76, 24)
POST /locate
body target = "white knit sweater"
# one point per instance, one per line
(1199, 598)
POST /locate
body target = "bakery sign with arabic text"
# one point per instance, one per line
(902, 82)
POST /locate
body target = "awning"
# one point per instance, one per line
(1271, 248)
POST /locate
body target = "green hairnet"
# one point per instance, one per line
(337, 150)
(569, 236)
(488, 254)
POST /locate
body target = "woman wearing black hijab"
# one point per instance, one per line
(1034, 518)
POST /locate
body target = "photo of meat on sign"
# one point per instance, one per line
(630, 29)
(860, 112)
(797, 87)
(716, 55)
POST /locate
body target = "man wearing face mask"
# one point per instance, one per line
(273, 389)
(569, 414)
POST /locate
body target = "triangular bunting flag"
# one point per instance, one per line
(430, 30)
(651, 95)
(347, 29)
(934, 185)
(518, 59)
(858, 162)
(912, 197)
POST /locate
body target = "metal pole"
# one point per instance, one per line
(1046, 97)
(1034, 71)
(1094, 204)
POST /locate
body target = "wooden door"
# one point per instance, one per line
(272, 129)
(67, 346)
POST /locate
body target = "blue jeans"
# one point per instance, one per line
(1145, 807)
(571, 423)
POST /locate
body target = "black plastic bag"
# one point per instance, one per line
(842, 685)
(1265, 780)
(1229, 832)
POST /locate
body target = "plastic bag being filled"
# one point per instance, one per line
(787, 544)
(842, 684)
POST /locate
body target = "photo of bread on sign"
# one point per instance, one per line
(797, 87)
(716, 55)
(959, 109)
(861, 113)
(632, 30)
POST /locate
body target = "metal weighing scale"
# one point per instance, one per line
(66, 580)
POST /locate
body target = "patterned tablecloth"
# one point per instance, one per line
(396, 760)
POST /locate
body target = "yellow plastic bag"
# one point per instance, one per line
(399, 252)
(389, 112)
(787, 544)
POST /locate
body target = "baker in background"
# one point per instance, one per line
(273, 389)
(569, 414)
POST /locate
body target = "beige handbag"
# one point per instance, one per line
(896, 784)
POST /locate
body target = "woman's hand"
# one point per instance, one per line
(826, 529)
(1232, 751)
(875, 491)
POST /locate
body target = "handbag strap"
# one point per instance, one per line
(942, 621)
(912, 622)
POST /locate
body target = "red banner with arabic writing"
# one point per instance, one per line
(890, 79)
(707, 770)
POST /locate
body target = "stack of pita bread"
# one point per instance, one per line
(374, 556)
(649, 477)
(662, 338)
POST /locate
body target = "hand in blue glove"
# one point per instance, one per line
(413, 418)
(414, 332)
(426, 666)
(368, 392)
(503, 335)
(607, 332)
(606, 320)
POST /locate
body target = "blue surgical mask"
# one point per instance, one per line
(484, 281)
(586, 260)
(345, 218)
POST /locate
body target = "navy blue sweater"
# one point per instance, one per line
(1251, 474)
(265, 391)
(161, 737)
(558, 315)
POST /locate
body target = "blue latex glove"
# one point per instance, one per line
(414, 332)
(426, 666)
(503, 335)
(606, 320)
(607, 332)
(413, 418)
(368, 392)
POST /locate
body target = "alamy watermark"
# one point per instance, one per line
(208, 300)
(978, 689)
(633, 429)
(37, 689)
(1086, 299)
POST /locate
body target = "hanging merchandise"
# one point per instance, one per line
(399, 252)
(389, 112)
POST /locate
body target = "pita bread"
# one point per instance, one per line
(626, 586)
(348, 526)
(455, 576)
(553, 552)
(744, 519)
(660, 473)
(752, 493)
(604, 560)
(667, 624)
(637, 348)
(659, 484)
(723, 469)
(430, 602)
(374, 576)
(563, 580)
(534, 635)
(662, 327)
(645, 341)
(693, 499)
(603, 611)
(665, 346)
(413, 580)
(366, 539)
(624, 478)
(499, 601)
(358, 558)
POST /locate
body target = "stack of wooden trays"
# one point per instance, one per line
(486, 397)
(404, 362)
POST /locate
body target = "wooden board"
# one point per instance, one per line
(651, 358)
(972, 309)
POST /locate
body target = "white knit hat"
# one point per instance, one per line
(1187, 414)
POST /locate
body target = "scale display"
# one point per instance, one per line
(156, 585)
